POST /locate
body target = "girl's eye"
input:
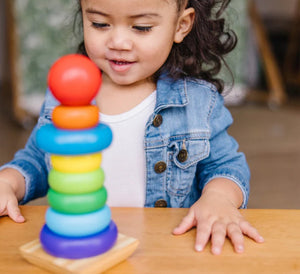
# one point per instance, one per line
(99, 25)
(143, 28)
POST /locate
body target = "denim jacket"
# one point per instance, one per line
(186, 144)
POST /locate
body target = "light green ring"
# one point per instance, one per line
(76, 183)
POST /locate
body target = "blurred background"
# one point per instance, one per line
(264, 98)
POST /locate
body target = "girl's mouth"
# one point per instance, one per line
(120, 65)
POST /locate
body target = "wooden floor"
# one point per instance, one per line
(270, 139)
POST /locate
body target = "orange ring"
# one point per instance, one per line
(75, 117)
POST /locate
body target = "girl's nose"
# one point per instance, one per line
(119, 40)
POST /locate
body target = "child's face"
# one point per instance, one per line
(129, 40)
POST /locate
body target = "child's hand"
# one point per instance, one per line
(9, 203)
(217, 217)
(12, 189)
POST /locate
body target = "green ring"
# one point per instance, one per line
(76, 183)
(77, 203)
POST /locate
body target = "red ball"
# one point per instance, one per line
(74, 80)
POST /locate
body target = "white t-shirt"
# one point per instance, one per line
(124, 161)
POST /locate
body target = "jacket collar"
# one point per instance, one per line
(170, 92)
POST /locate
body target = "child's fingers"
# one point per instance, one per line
(14, 212)
(237, 238)
(187, 223)
(203, 235)
(218, 235)
(251, 232)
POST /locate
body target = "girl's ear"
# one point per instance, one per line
(184, 25)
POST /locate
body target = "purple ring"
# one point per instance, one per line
(78, 247)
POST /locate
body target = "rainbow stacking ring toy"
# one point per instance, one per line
(78, 221)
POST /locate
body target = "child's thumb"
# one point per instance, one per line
(14, 212)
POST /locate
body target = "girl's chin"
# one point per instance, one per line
(124, 81)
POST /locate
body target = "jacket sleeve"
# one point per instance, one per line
(33, 163)
(224, 160)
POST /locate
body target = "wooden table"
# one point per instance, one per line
(161, 252)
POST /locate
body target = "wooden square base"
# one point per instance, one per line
(124, 247)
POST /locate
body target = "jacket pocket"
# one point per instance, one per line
(184, 155)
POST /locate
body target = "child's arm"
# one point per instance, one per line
(12, 190)
(224, 180)
(216, 215)
(26, 174)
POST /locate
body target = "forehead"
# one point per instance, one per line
(128, 6)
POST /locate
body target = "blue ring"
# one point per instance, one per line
(73, 142)
(78, 225)
(81, 247)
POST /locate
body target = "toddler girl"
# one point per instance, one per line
(161, 97)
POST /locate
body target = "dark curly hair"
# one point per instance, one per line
(201, 53)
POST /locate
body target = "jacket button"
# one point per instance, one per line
(157, 121)
(160, 203)
(182, 155)
(160, 167)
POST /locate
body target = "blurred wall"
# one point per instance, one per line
(282, 9)
(3, 74)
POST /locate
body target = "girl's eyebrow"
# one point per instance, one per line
(93, 11)
(150, 14)
(145, 15)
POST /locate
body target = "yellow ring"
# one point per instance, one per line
(76, 164)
